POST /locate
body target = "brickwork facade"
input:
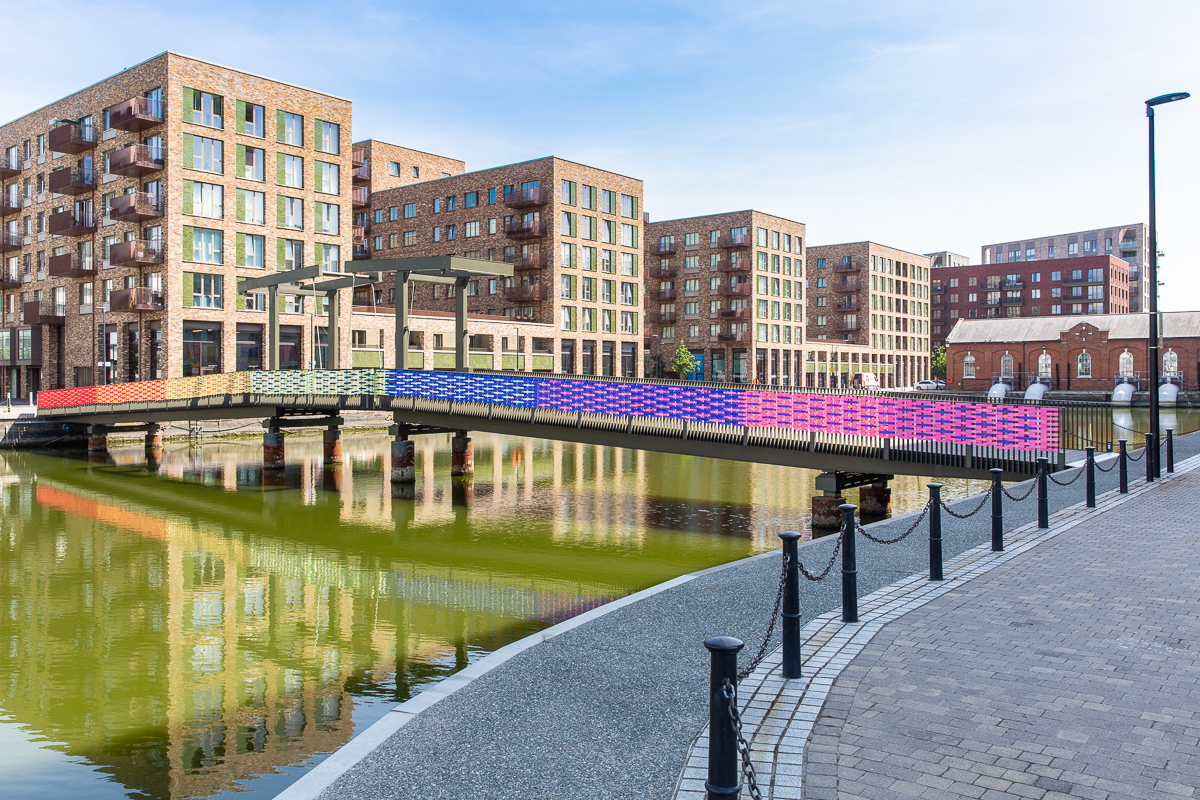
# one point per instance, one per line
(730, 288)
(1130, 243)
(875, 297)
(1066, 286)
(230, 175)
(572, 233)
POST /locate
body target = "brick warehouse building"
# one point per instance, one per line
(132, 206)
(1067, 286)
(875, 297)
(1086, 353)
(731, 288)
(1131, 243)
(572, 233)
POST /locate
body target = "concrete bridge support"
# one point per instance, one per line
(97, 439)
(273, 450)
(333, 446)
(827, 510)
(462, 456)
(154, 442)
(404, 462)
(462, 492)
(875, 500)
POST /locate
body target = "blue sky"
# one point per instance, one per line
(923, 124)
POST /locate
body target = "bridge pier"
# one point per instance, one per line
(97, 439)
(404, 461)
(462, 456)
(875, 500)
(827, 510)
(273, 450)
(462, 492)
(874, 496)
(333, 446)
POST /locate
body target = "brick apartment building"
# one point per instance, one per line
(944, 258)
(877, 298)
(1085, 353)
(1067, 286)
(1130, 243)
(572, 233)
(132, 206)
(731, 288)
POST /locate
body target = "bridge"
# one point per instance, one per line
(854, 439)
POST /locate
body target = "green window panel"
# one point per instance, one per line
(635, 208)
(481, 360)
(239, 123)
(188, 189)
(186, 106)
(241, 148)
(240, 250)
(280, 254)
(635, 258)
(279, 170)
(280, 216)
(543, 363)
(635, 323)
(414, 359)
(241, 296)
(512, 361)
(366, 359)
(279, 126)
(318, 168)
(444, 361)
(188, 248)
(240, 205)
(189, 285)
(189, 150)
(574, 294)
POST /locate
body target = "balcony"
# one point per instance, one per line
(136, 207)
(736, 290)
(847, 326)
(665, 317)
(530, 263)
(360, 253)
(49, 314)
(135, 161)
(10, 280)
(987, 301)
(666, 293)
(1129, 245)
(72, 138)
(138, 252)
(525, 229)
(1013, 301)
(734, 337)
(74, 265)
(9, 241)
(360, 197)
(938, 303)
(938, 289)
(358, 157)
(136, 114)
(736, 265)
(72, 181)
(853, 266)
(9, 205)
(72, 223)
(358, 234)
(736, 313)
(10, 166)
(526, 294)
(846, 285)
(1084, 279)
(139, 298)
(668, 271)
(734, 242)
(360, 175)
(665, 248)
(847, 305)
(525, 198)
(1019, 283)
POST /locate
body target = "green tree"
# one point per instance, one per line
(937, 364)
(683, 362)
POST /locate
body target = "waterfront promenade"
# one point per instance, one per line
(610, 706)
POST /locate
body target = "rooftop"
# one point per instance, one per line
(1176, 324)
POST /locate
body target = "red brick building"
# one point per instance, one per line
(1095, 285)
(1087, 353)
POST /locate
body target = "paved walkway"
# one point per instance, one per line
(1062, 667)
(610, 708)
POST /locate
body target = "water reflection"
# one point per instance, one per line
(181, 626)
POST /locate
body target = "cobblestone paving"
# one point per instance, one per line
(1069, 671)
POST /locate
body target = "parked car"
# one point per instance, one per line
(930, 386)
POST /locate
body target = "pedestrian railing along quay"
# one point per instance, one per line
(728, 750)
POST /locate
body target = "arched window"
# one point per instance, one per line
(1085, 366)
(1171, 364)
(1044, 365)
(1006, 366)
(969, 366)
(1125, 364)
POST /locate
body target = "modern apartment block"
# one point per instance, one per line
(132, 207)
(572, 234)
(1130, 243)
(944, 258)
(730, 287)
(876, 297)
(1070, 286)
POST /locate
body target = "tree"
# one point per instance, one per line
(683, 362)
(937, 364)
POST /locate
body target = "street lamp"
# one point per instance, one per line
(1152, 280)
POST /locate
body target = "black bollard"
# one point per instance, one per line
(1091, 476)
(724, 775)
(935, 531)
(1043, 489)
(1124, 468)
(997, 511)
(849, 566)
(1170, 450)
(791, 605)
(1148, 454)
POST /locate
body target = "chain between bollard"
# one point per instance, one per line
(1110, 468)
(1139, 458)
(1016, 499)
(978, 508)
(832, 559)
(762, 650)
(902, 536)
(743, 746)
(1057, 482)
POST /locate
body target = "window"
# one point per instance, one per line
(1072, 248)
(292, 130)
(293, 254)
(252, 207)
(451, 232)
(761, 237)
(471, 230)
(251, 122)
(969, 366)
(208, 200)
(206, 291)
(254, 249)
(608, 231)
(208, 109)
(410, 210)
(451, 203)
(328, 256)
(628, 235)
(327, 137)
(629, 205)
(629, 322)
(378, 215)
(291, 171)
(1095, 276)
(253, 163)
(207, 154)
(326, 175)
(1006, 366)
(207, 246)
(393, 169)
(1170, 366)
(410, 238)
(1084, 369)
(328, 218)
(1125, 364)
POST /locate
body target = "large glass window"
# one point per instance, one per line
(327, 137)
(201, 349)
(208, 200)
(249, 347)
(293, 171)
(207, 291)
(293, 129)
(208, 246)
(208, 154)
(252, 120)
(208, 109)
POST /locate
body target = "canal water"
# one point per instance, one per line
(195, 628)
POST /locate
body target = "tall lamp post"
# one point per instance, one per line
(1152, 279)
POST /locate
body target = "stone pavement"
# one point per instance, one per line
(1062, 667)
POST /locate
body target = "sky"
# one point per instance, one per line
(922, 124)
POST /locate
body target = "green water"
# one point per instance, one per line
(183, 630)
